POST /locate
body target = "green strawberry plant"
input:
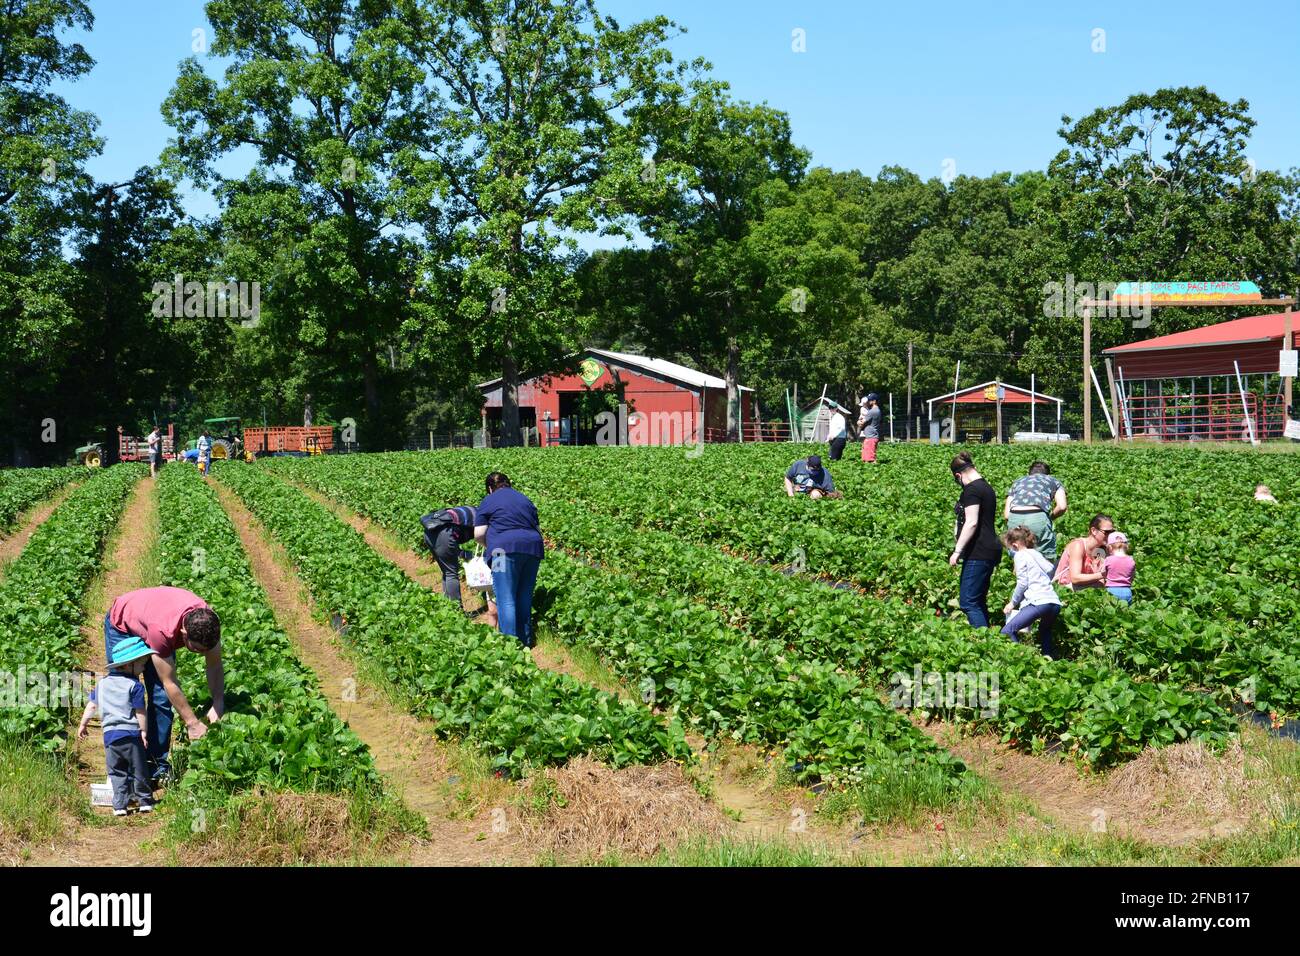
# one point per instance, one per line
(41, 598)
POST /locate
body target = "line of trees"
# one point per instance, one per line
(410, 177)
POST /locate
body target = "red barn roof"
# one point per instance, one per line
(1252, 329)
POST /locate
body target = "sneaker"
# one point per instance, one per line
(145, 808)
(119, 813)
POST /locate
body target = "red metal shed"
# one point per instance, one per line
(659, 403)
(1184, 385)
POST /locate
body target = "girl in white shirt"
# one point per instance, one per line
(1034, 599)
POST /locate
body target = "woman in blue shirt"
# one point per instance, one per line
(506, 524)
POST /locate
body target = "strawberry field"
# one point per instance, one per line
(726, 614)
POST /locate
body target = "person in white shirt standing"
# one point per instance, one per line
(205, 452)
(838, 434)
(155, 451)
(1034, 599)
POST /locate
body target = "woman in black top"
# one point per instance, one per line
(977, 548)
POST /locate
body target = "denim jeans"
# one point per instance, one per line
(160, 714)
(974, 599)
(126, 772)
(1044, 614)
(513, 578)
(1123, 594)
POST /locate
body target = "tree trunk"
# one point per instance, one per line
(306, 410)
(733, 389)
(370, 369)
(509, 397)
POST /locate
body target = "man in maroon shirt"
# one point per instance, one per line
(167, 619)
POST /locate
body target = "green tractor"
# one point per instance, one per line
(227, 438)
(92, 455)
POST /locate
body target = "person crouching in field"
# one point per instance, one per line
(1034, 598)
(445, 533)
(168, 619)
(807, 477)
(1118, 567)
(119, 698)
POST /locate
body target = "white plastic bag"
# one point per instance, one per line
(478, 574)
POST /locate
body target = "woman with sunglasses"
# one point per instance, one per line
(1080, 565)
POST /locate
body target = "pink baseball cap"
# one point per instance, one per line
(1117, 537)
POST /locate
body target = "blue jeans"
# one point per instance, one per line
(974, 600)
(1124, 594)
(159, 718)
(1044, 614)
(513, 578)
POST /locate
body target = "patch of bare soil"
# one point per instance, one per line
(26, 525)
(405, 750)
(1170, 796)
(108, 841)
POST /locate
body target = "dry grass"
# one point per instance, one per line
(1190, 779)
(637, 811)
(285, 829)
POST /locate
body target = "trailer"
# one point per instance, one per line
(132, 448)
(282, 439)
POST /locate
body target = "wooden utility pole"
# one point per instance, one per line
(1087, 366)
(909, 391)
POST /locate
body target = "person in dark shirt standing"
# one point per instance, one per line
(869, 424)
(506, 523)
(977, 548)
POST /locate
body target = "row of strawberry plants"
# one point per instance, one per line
(279, 731)
(22, 488)
(472, 681)
(689, 659)
(899, 520)
(40, 604)
(1194, 641)
(1080, 703)
(1102, 713)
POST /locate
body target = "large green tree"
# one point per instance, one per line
(719, 159)
(323, 92)
(44, 144)
(530, 108)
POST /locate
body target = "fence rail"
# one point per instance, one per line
(1214, 416)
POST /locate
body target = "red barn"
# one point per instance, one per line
(618, 398)
(1184, 386)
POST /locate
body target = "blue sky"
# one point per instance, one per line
(879, 84)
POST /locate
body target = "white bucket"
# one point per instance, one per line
(101, 794)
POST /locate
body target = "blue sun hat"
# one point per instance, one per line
(131, 649)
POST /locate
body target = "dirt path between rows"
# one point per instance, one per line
(106, 840)
(404, 748)
(26, 525)
(1174, 796)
